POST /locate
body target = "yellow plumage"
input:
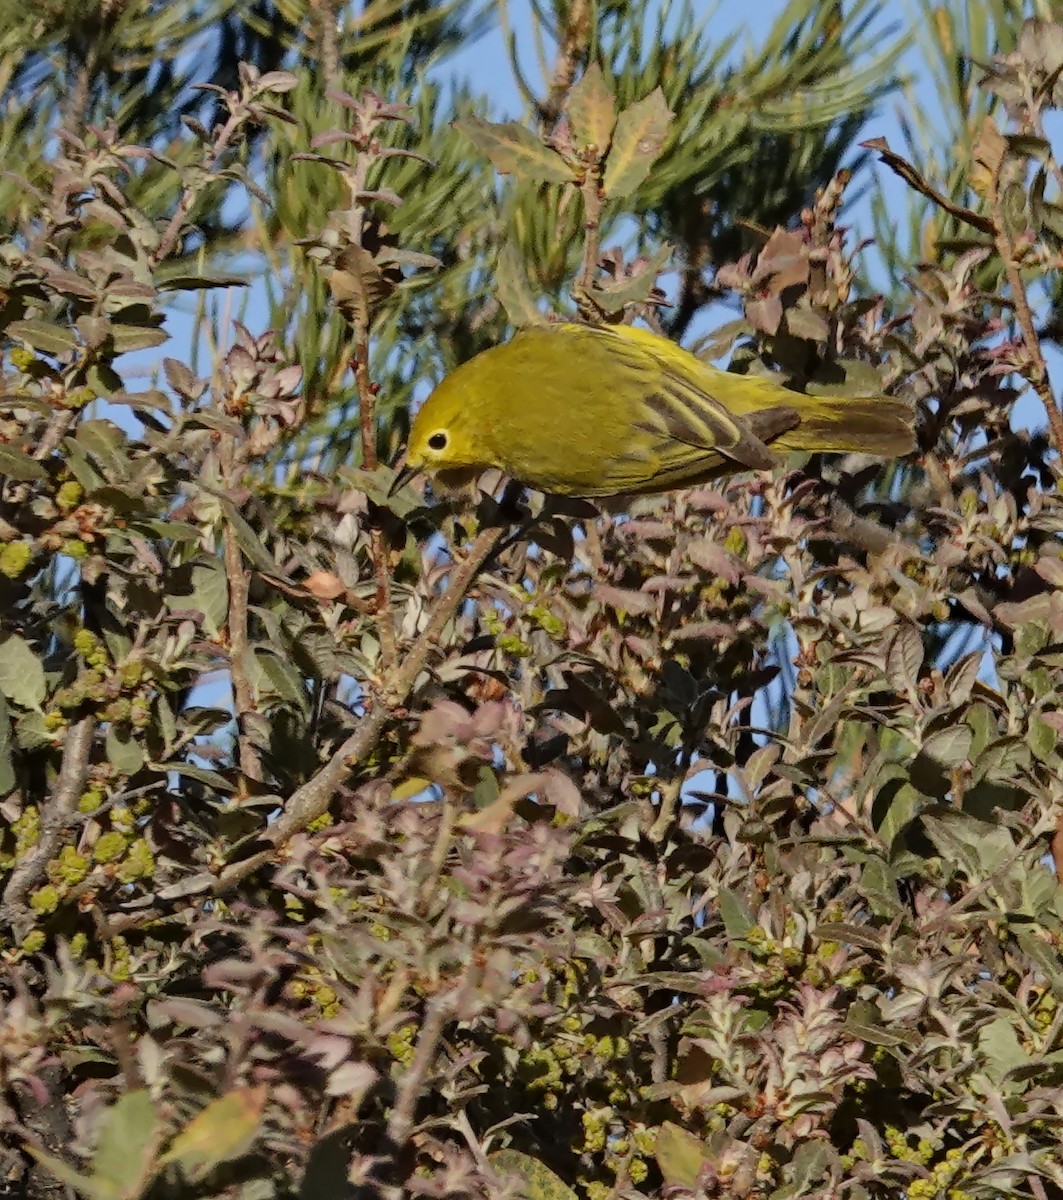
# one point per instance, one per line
(586, 410)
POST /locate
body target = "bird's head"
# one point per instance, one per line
(449, 440)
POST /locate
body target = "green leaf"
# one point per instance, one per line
(537, 1181)
(31, 731)
(811, 1162)
(8, 778)
(863, 1021)
(615, 297)
(66, 1175)
(209, 594)
(736, 917)
(44, 336)
(283, 678)
(212, 779)
(21, 673)
(18, 465)
(107, 444)
(638, 139)
(1001, 1048)
(124, 753)
(903, 660)
(125, 1154)
(591, 110)
(951, 746)
(680, 1155)
(224, 1130)
(246, 538)
(1043, 738)
(514, 150)
(511, 284)
(137, 337)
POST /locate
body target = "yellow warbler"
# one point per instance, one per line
(586, 410)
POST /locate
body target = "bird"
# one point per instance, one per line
(590, 411)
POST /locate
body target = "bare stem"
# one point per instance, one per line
(575, 38)
(377, 545)
(239, 647)
(188, 197)
(591, 190)
(58, 424)
(55, 817)
(411, 1085)
(310, 801)
(1036, 372)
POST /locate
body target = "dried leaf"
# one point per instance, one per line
(911, 176)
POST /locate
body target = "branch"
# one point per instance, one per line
(239, 647)
(411, 1085)
(377, 546)
(571, 52)
(188, 197)
(311, 800)
(56, 815)
(591, 191)
(1036, 372)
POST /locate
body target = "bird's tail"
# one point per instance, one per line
(877, 425)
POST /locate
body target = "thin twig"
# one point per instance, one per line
(571, 52)
(591, 191)
(1036, 372)
(55, 817)
(239, 580)
(367, 422)
(58, 424)
(411, 1085)
(311, 800)
(188, 196)
(377, 545)
(328, 42)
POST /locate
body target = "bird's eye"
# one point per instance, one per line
(438, 441)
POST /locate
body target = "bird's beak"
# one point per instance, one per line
(402, 478)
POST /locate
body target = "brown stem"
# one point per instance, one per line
(238, 580)
(239, 647)
(310, 801)
(58, 423)
(188, 196)
(54, 819)
(76, 107)
(411, 1085)
(661, 828)
(1057, 849)
(377, 545)
(591, 190)
(328, 45)
(1036, 372)
(573, 49)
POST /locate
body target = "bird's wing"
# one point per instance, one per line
(694, 437)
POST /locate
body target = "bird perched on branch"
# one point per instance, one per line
(582, 410)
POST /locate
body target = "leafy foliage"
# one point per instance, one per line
(366, 846)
